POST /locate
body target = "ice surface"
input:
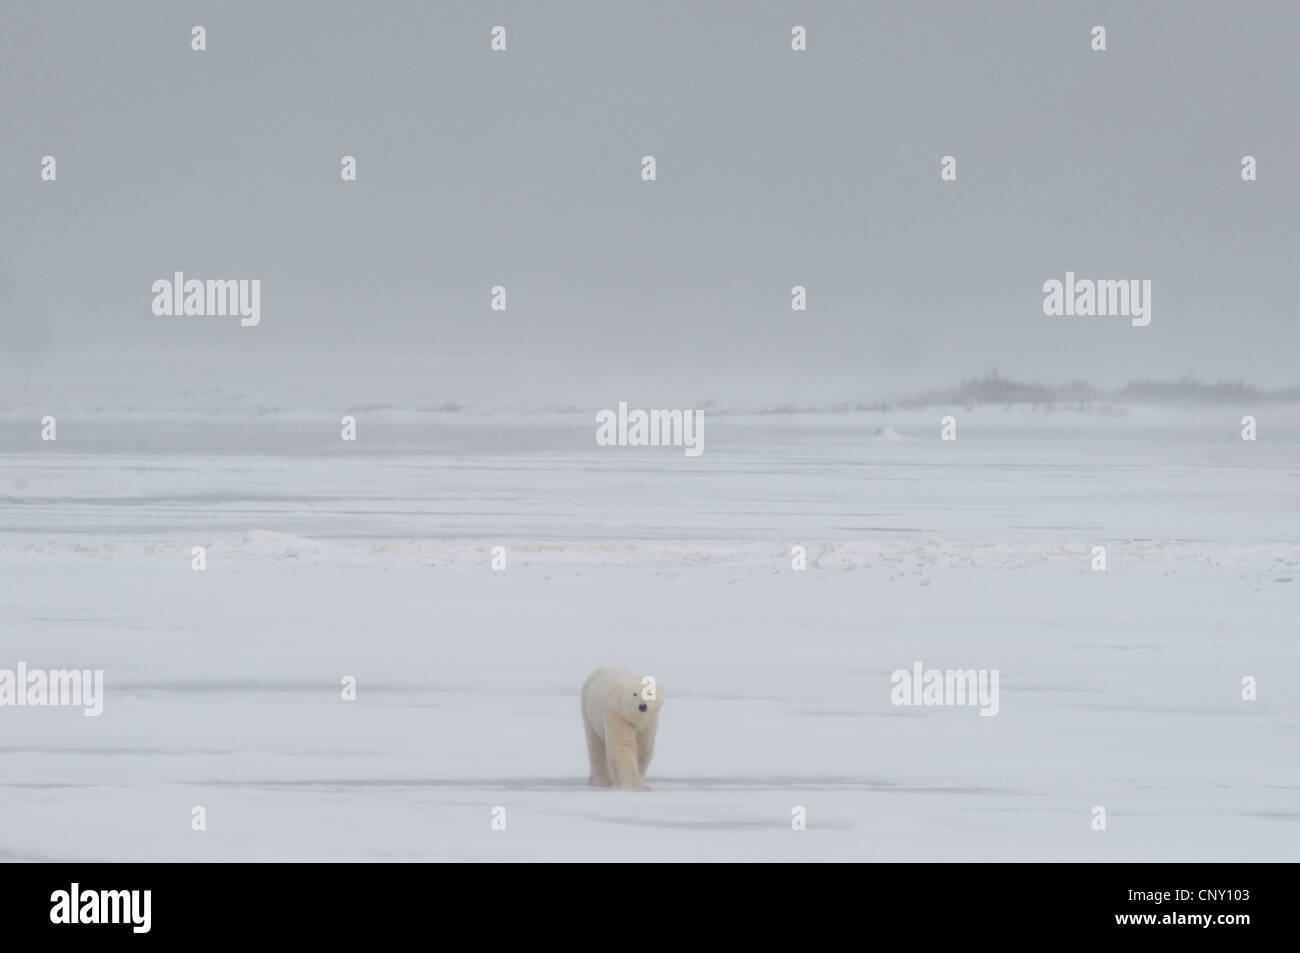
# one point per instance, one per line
(325, 559)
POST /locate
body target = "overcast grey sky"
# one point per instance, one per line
(775, 168)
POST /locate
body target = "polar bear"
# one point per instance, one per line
(621, 714)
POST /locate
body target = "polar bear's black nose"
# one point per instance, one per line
(641, 706)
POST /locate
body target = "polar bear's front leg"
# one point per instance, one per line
(621, 753)
(645, 749)
(599, 776)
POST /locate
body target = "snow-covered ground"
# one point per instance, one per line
(1120, 689)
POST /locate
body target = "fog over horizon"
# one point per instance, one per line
(522, 169)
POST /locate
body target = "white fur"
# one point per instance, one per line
(620, 737)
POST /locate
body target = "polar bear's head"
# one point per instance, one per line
(642, 701)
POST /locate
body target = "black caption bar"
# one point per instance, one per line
(142, 902)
